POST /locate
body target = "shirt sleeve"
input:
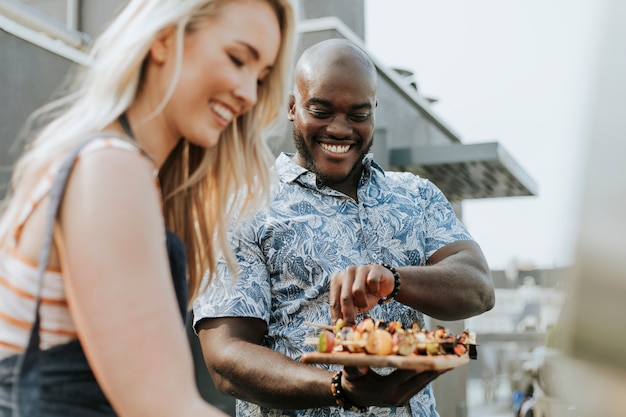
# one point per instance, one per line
(248, 295)
(442, 225)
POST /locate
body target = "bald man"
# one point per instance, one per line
(341, 238)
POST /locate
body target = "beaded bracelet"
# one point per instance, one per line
(396, 285)
(340, 397)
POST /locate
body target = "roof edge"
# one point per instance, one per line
(334, 23)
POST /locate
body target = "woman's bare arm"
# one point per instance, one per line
(119, 289)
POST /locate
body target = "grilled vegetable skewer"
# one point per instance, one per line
(390, 338)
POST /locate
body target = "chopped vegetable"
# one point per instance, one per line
(391, 338)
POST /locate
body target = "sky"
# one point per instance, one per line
(513, 71)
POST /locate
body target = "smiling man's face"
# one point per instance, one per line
(333, 113)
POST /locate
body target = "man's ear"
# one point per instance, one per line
(163, 45)
(291, 108)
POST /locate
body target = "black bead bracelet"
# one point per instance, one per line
(396, 285)
(340, 398)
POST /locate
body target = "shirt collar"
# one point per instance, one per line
(289, 171)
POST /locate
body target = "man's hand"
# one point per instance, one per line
(358, 289)
(365, 387)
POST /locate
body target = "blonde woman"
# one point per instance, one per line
(178, 88)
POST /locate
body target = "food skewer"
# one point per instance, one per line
(320, 326)
(367, 337)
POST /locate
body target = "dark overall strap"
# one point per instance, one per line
(28, 359)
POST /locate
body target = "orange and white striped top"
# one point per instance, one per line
(19, 279)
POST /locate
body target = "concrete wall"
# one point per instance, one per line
(95, 14)
(351, 12)
(27, 80)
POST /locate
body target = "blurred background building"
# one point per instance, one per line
(41, 39)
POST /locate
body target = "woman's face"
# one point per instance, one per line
(224, 60)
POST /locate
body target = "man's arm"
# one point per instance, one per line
(454, 284)
(242, 368)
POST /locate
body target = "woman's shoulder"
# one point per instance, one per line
(109, 166)
(112, 172)
(110, 141)
(109, 151)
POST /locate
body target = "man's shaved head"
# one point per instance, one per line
(330, 54)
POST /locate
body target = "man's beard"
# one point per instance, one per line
(309, 162)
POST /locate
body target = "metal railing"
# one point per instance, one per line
(34, 26)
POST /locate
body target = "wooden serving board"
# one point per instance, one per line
(411, 362)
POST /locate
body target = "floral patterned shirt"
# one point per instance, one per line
(288, 252)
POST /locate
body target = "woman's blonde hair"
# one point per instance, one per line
(202, 188)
